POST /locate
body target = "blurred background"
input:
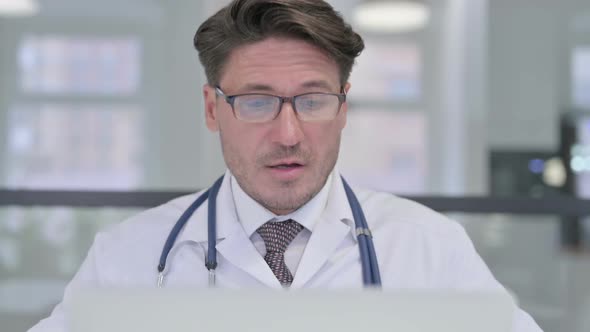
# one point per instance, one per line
(451, 99)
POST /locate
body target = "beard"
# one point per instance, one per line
(280, 197)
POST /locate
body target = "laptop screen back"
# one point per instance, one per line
(157, 310)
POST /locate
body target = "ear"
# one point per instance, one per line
(344, 109)
(346, 87)
(210, 107)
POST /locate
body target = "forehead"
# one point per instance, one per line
(279, 63)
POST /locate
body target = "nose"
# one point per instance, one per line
(287, 131)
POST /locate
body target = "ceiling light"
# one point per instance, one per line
(391, 16)
(18, 7)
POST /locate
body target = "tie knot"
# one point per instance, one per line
(278, 235)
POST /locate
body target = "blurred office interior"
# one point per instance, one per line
(451, 99)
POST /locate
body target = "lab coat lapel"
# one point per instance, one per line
(328, 234)
(326, 237)
(233, 245)
(237, 249)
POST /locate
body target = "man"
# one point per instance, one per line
(277, 74)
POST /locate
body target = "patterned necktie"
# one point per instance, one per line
(277, 236)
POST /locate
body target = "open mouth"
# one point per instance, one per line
(288, 170)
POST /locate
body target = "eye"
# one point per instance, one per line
(256, 102)
(312, 102)
(259, 102)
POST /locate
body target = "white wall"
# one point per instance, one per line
(3, 95)
(457, 105)
(530, 69)
(190, 156)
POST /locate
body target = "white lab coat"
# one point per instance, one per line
(416, 248)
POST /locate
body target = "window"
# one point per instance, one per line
(74, 146)
(76, 121)
(388, 72)
(385, 140)
(581, 76)
(63, 65)
(386, 150)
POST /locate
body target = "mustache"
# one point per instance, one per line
(284, 152)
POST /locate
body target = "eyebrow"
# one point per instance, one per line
(257, 87)
(267, 88)
(317, 84)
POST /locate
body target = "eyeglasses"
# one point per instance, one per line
(260, 107)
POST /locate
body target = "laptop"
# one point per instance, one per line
(157, 310)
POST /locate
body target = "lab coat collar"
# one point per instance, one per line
(233, 243)
(195, 229)
(337, 207)
(335, 225)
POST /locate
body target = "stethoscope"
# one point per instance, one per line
(370, 267)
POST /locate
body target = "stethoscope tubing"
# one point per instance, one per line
(371, 274)
(211, 262)
(177, 228)
(370, 266)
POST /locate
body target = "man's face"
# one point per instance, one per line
(283, 163)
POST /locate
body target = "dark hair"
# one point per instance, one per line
(247, 21)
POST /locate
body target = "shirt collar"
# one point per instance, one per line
(335, 202)
(252, 215)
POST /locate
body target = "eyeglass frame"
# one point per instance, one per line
(282, 99)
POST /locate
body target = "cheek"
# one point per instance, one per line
(243, 142)
(226, 118)
(325, 133)
(325, 137)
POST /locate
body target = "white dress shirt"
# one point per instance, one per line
(252, 215)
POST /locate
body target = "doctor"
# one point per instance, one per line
(277, 74)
